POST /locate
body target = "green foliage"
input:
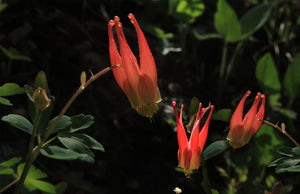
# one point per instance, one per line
(222, 115)
(186, 10)
(6, 167)
(9, 89)
(14, 54)
(215, 149)
(267, 76)
(233, 30)
(33, 182)
(194, 106)
(18, 122)
(288, 161)
(41, 81)
(226, 22)
(292, 79)
(254, 19)
(2, 6)
(81, 121)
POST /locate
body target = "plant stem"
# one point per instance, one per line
(205, 181)
(9, 185)
(33, 154)
(283, 131)
(29, 153)
(222, 70)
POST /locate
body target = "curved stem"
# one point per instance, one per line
(29, 153)
(9, 185)
(282, 130)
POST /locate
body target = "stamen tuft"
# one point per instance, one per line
(116, 19)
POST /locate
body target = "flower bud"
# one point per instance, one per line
(40, 99)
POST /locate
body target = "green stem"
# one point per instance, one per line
(205, 181)
(283, 131)
(37, 148)
(29, 153)
(231, 63)
(222, 70)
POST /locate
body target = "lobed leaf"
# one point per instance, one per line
(215, 148)
(18, 122)
(10, 89)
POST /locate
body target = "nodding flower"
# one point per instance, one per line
(190, 150)
(138, 81)
(242, 129)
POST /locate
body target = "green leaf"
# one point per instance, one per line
(222, 115)
(227, 23)
(64, 123)
(10, 89)
(285, 151)
(6, 171)
(201, 34)
(86, 140)
(288, 169)
(267, 76)
(32, 183)
(194, 106)
(11, 162)
(189, 10)
(159, 33)
(41, 81)
(296, 151)
(2, 6)
(278, 161)
(60, 153)
(292, 79)
(215, 148)
(5, 101)
(81, 121)
(14, 54)
(255, 19)
(19, 122)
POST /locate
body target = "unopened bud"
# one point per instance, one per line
(83, 78)
(40, 99)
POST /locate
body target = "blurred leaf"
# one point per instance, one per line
(81, 121)
(10, 89)
(215, 148)
(189, 10)
(288, 169)
(285, 151)
(166, 46)
(60, 188)
(14, 54)
(159, 33)
(186, 10)
(18, 122)
(60, 153)
(194, 106)
(200, 34)
(32, 183)
(292, 79)
(296, 151)
(227, 23)
(2, 6)
(214, 191)
(41, 81)
(5, 101)
(11, 162)
(222, 115)
(64, 123)
(267, 76)
(29, 91)
(255, 19)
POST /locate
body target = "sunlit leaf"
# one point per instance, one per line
(267, 76)
(226, 22)
(18, 122)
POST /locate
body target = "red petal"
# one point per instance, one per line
(147, 63)
(250, 117)
(115, 57)
(204, 131)
(260, 115)
(129, 61)
(237, 116)
(181, 135)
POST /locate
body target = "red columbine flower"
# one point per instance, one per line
(241, 130)
(139, 83)
(190, 150)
